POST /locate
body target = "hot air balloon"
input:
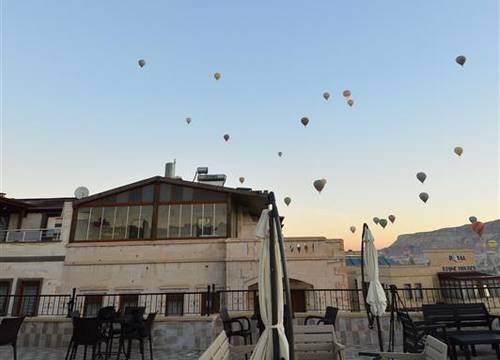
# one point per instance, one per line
(326, 95)
(376, 220)
(478, 227)
(353, 229)
(392, 218)
(217, 76)
(458, 150)
(346, 93)
(461, 60)
(304, 121)
(492, 244)
(424, 196)
(319, 184)
(472, 219)
(188, 120)
(141, 63)
(242, 179)
(350, 102)
(280, 154)
(287, 200)
(421, 176)
(226, 137)
(383, 223)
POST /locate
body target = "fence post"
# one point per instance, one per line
(207, 301)
(213, 300)
(71, 302)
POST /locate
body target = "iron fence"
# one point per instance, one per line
(210, 301)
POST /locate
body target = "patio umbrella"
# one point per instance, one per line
(273, 343)
(375, 296)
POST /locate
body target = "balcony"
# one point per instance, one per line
(30, 235)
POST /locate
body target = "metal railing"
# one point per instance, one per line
(30, 235)
(211, 301)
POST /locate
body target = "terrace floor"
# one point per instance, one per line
(484, 353)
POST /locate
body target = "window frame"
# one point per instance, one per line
(5, 309)
(125, 298)
(95, 299)
(156, 203)
(19, 301)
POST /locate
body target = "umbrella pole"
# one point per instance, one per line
(274, 304)
(379, 331)
(288, 297)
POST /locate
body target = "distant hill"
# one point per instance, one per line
(453, 237)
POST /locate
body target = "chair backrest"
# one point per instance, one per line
(135, 311)
(106, 314)
(472, 315)
(435, 349)
(226, 320)
(9, 328)
(316, 342)
(85, 331)
(330, 315)
(218, 350)
(439, 313)
(411, 335)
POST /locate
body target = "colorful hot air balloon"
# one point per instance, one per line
(287, 200)
(353, 229)
(319, 184)
(478, 227)
(350, 102)
(188, 120)
(346, 93)
(472, 219)
(461, 60)
(376, 220)
(141, 63)
(217, 76)
(458, 150)
(226, 137)
(383, 223)
(280, 154)
(424, 196)
(326, 95)
(304, 121)
(492, 244)
(421, 176)
(392, 218)
(242, 179)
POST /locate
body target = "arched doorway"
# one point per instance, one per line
(298, 292)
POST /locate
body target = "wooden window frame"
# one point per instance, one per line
(98, 297)
(5, 309)
(21, 284)
(154, 222)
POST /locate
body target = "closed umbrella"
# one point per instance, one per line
(375, 296)
(273, 343)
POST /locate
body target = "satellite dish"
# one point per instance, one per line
(81, 192)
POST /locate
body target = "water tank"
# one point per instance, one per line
(170, 169)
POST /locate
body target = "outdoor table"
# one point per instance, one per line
(470, 338)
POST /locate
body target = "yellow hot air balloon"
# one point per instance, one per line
(492, 244)
(217, 76)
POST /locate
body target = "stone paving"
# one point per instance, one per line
(484, 353)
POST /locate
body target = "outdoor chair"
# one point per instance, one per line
(329, 318)
(414, 332)
(107, 318)
(243, 331)
(134, 311)
(85, 333)
(9, 328)
(136, 328)
(433, 350)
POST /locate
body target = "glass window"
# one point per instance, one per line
(82, 224)
(95, 224)
(418, 291)
(128, 300)
(174, 221)
(28, 300)
(208, 220)
(198, 219)
(134, 222)
(165, 192)
(146, 219)
(121, 220)
(162, 226)
(220, 220)
(407, 291)
(174, 304)
(4, 296)
(186, 220)
(92, 305)
(108, 221)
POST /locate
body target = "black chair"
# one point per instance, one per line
(108, 318)
(243, 331)
(134, 311)
(86, 332)
(9, 328)
(329, 318)
(415, 332)
(133, 327)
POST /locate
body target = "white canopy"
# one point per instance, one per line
(376, 295)
(264, 348)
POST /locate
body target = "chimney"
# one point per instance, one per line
(170, 169)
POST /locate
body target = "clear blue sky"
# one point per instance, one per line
(77, 110)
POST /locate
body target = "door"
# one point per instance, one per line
(27, 303)
(298, 300)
